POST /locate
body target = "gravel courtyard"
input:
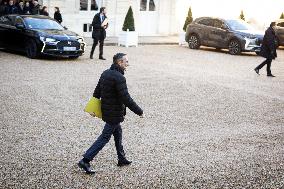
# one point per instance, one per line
(210, 121)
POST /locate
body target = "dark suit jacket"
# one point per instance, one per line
(99, 33)
(113, 92)
(268, 47)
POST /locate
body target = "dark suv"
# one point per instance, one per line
(233, 34)
(279, 31)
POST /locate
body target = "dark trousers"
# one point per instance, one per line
(268, 62)
(101, 47)
(104, 138)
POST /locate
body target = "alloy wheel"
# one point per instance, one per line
(234, 47)
(193, 42)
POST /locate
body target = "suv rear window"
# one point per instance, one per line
(218, 23)
(206, 22)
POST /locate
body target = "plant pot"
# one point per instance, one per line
(182, 38)
(128, 38)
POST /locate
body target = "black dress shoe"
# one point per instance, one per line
(256, 70)
(86, 167)
(123, 162)
(91, 57)
(102, 58)
(270, 75)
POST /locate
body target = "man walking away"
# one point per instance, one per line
(113, 92)
(99, 32)
(268, 50)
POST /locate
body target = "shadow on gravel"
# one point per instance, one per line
(224, 51)
(41, 57)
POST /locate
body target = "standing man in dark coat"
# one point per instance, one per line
(99, 32)
(3, 7)
(11, 8)
(268, 50)
(57, 15)
(113, 92)
(35, 10)
(21, 8)
(27, 8)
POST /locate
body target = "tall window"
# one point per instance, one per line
(152, 6)
(143, 5)
(94, 5)
(147, 5)
(83, 5)
(87, 5)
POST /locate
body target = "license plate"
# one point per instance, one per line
(69, 48)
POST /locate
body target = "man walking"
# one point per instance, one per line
(99, 32)
(268, 50)
(113, 92)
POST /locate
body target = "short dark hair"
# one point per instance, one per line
(102, 9)
(272, 24)
(117, 57)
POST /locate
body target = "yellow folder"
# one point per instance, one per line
(94, 107)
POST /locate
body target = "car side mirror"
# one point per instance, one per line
(20, 26)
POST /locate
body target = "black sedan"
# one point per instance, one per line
(36, 35)
(233, 34)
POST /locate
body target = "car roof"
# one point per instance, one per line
(30, 16)
(207, 17)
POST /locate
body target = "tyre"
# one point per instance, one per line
(32, 49)
(193, 42)
(234, 47)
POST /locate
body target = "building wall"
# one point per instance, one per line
(74, 19)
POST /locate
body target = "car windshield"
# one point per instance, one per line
(239, 25)
(45, 24)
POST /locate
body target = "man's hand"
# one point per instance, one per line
(93, 114)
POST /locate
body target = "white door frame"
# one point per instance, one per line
(148, 20)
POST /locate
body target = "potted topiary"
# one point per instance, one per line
(242, 16)
(128, 36)
(188, 20)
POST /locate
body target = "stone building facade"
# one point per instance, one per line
(152, 17)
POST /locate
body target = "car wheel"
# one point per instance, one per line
(234, 47)
(193, 42)
(31, 49)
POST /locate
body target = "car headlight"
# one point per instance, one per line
(47, 39)
(80, 39)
